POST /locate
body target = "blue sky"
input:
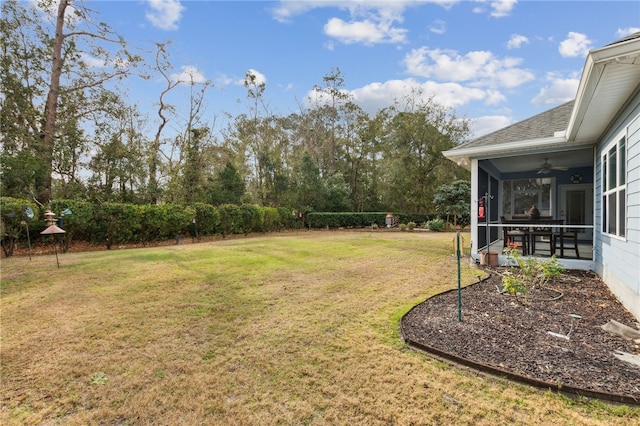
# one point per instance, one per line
(494, 62)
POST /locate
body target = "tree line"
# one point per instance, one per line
(68, 130)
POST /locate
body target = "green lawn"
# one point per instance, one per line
(283, 329)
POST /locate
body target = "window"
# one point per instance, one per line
(614, 188)
(518, 196)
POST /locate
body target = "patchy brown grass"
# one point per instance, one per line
(295, 329)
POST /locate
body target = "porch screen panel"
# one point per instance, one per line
(483, 188)
(518, 196)
(495, 214)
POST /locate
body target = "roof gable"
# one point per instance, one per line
(541, 126)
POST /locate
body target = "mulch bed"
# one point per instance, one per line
(501, 333)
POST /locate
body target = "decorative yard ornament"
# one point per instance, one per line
(27, 213)
(50, 218)
(27, 216)
(52, 230)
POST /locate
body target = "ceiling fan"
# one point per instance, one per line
(546, 167)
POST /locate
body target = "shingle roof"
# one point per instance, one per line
(543, 125)
(626, 38)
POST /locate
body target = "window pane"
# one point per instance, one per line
(518, 196)
(604, 214)
(612, 169)
(545, 200)
(604, 172)
(523, 202)
(612, 213)
(622, 178)
(506, 198)
(622, 212)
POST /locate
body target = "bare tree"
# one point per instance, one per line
(81, 31)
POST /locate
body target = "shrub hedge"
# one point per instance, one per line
(120, 223)
(361, 219)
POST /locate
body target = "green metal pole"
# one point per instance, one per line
(459, 289)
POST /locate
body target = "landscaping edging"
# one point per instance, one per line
(501, 372)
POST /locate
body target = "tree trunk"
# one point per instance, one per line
(51, 108)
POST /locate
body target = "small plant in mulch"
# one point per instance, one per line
(526, 274)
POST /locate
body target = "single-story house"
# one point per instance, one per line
(579, 165)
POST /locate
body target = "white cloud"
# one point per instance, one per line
(623, 32)
(223, 80)
(499, 8)
(92, 61)
(118, 62)
(165, 14)
(438, 27)
(516, 41)
(375, 96)
(367, 32)
(189, 74)
(481, 126)
(369, 22)
(285, 10)
(557, 91)
(502, 8)
(480, 67)
(576, 44)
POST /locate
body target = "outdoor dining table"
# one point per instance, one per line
(530, 229)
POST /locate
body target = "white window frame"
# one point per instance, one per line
(618, 189)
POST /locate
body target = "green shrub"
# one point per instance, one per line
(178, 218)
(288, 218)
(207, 220)
(152, 219)
(230, 219)
(76, 218)
(271, 219)
(528, 273)
(252, 217)
(335, 220)
(12, 223)
(436, 224)
(119, 223)
(412, 217)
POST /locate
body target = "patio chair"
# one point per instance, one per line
(542, 233)
(570, 234)
(513, 234)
